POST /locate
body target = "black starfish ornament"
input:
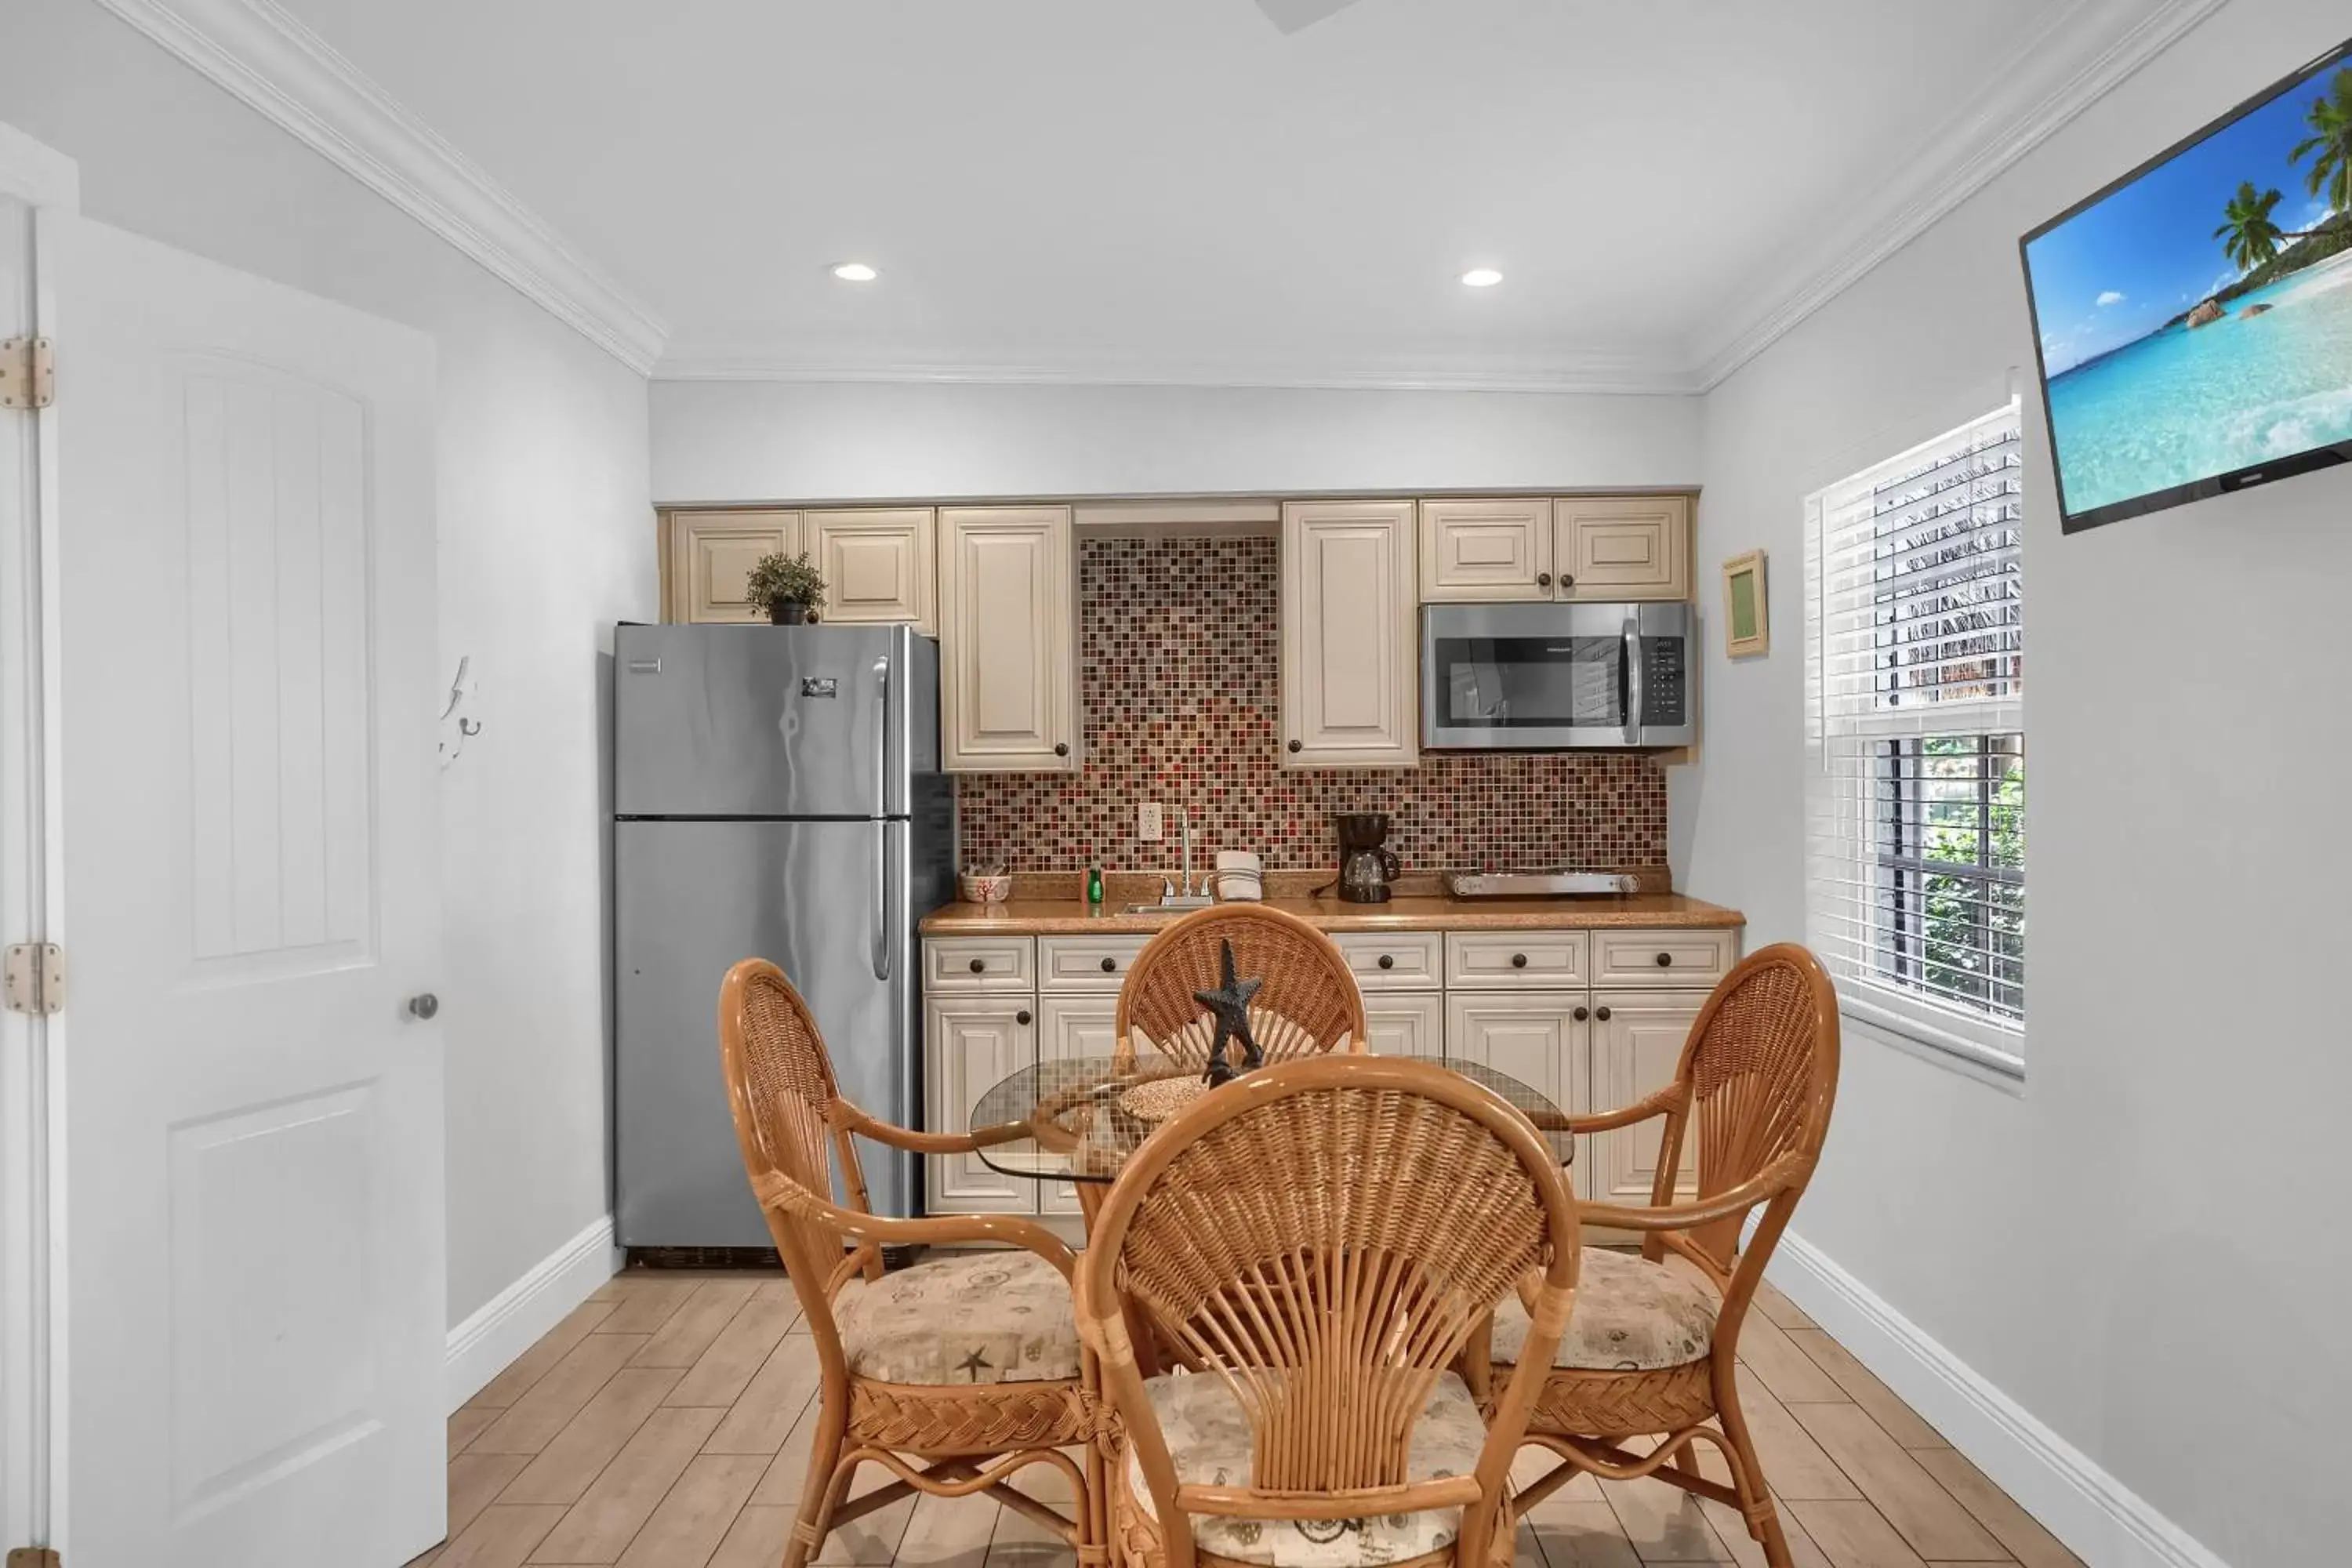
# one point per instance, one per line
(1230, 1004)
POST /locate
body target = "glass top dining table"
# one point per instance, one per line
(1078, 1119)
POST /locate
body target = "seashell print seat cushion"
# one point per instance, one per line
(1209, 1441)
(1630, 1315)
(995, 1317)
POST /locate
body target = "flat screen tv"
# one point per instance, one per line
(2193, 321)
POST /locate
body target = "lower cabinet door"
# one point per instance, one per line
(1637, 1039)
(1535, 1036)
(969, 1044)
(1071, 1026)
(1404, 1024)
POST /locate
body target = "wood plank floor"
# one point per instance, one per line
(667, 1422)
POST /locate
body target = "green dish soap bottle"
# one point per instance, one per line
(1093, 886)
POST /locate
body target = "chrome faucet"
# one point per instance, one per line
(1191, 898)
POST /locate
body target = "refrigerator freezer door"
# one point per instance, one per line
(828, 903)
(716, 721)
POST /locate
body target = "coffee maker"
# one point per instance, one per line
(1366, 868)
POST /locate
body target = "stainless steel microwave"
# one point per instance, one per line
(1558, 677)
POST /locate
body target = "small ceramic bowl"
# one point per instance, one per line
(979, 888)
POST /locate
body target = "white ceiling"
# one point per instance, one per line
(1176, 190)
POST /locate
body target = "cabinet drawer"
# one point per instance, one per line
(1394, 960)
(1086, 962)
(1662, 958)
(1510, 959)
(980, 964)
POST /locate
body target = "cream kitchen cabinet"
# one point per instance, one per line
(1008, 640)
(878, 564)
(1621, 547)
(1637, 1039)
(712, 553)
(1485, 549)
(1543, 1038)
(1348, 629)
(970, 1043)
(1072, 1027)
(1404, 1024)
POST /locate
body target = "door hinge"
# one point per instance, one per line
(28, 379)
(37, 985)
(34, 1557)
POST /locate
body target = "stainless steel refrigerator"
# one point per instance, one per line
(777, 793)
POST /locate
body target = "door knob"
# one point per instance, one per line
(1061, 748)
(1021, 1017)
(1566, 580)
(1110, 966)
(1582, 1014)
(423, 1004)
(1295, 746)
(1543, 579)
(1666, 961)
(1388, 961)
(1518, 961)
(980, 966)
(1601, 1014)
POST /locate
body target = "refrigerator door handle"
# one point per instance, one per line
(882, 738)
(882, 880)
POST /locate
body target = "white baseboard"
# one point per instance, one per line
(2102, 1521)
(508, 1324)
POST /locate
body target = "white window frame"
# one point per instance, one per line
(1843, 726)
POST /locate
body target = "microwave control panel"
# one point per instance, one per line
(1662, 683)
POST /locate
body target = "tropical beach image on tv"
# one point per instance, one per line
(2195, 321)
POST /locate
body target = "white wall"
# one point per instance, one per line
(545, 538)
(2145, 1248)
(747, 441)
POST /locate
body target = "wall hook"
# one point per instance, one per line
(457, 726)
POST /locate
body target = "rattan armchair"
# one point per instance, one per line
(1321, 1239)
(1308, 1004)
(952, 1374)
(1651, 1352)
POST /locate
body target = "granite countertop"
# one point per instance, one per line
(1065, 916)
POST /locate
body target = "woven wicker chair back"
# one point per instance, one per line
(780, 1082)
(1306, 1005)
(1326, 1240)
(1762, 1065)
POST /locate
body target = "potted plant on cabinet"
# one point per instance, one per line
(787, 586)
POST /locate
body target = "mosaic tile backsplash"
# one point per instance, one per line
(1181, 690)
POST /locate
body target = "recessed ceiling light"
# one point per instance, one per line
(1482, 278)
(855, 272)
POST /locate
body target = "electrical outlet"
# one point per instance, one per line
(1150, 824)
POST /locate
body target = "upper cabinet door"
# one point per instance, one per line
(1008, 640)
(876, 565)
(1621, 547)
(1485, 550)
(1349, 699)
(712, 553)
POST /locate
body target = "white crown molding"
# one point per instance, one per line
(2089, 48)
(281, 67)
(1596, 371)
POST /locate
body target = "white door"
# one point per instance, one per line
(1008, 640)
(245, 602)
(1404, 1024)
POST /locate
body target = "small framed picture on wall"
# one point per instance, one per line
(1747, 628)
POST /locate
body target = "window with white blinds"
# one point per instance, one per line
(1915, 742)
